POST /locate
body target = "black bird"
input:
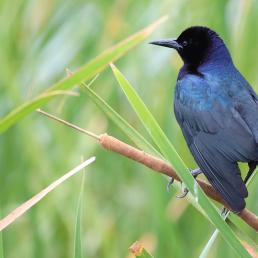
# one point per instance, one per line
(217, 110)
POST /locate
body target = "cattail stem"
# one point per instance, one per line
(93, 135)
(113, 144)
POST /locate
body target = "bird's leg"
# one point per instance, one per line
(252, 165)
(195, 173)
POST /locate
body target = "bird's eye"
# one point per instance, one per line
(185, 43)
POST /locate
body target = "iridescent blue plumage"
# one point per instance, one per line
(217, 111)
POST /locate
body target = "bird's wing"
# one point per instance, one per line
(246, 103)
(214, 131)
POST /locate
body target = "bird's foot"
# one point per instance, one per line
(195, 173)
(224, 212)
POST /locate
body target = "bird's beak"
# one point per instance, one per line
(171, 43)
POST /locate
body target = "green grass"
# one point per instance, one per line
(123, 200)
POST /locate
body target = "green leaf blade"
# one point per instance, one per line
(26, 108)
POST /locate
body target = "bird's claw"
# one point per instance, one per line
(184, 193)
(194, 172)
(170, 183)
(224, 212)
(185, 190)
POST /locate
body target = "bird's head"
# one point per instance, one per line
(195, 45)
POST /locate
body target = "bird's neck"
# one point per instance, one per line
(217, 56)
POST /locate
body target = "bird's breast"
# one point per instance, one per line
(201, 93)
(202, 104)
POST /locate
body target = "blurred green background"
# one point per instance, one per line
(123, 201)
